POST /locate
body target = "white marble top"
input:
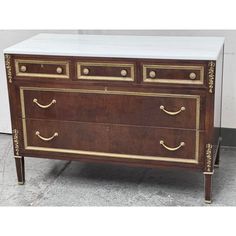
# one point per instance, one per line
(156, 47)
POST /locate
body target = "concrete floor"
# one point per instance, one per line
(63, 183)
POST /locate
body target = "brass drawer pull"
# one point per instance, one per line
(172, 149)
(152, 74)
(23, 68)
(46, 139)
(123, 73)
(59, 70)
(44, 106)
(172, 113)
(192, 76)
(85, 71)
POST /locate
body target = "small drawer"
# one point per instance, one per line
(105, 71)
(173, 74)
(41, 68)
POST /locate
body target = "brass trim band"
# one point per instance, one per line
(42, 75)
(123, 72)
(208, 173)
(173, 81)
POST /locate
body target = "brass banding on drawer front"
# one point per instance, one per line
(105, 71)
(173, 74)
(42, 68)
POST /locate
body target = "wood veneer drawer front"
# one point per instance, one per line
(115, 141)
(42, 68)
(105, 71)
(117, 107)
(173, 74)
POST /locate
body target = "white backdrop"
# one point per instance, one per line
(8, 38)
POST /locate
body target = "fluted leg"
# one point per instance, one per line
(20, 169)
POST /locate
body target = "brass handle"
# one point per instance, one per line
(85, 71)
(152, 74)
(170, 148)
(172, 113)
(59, 70)
(23, 68)
(123, 72)
(46, 139)
(192, 76)
(44, 106)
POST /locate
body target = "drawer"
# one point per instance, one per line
(116, 107)
(173, 74)
(41, 68)
(115, 141)
(105, 71)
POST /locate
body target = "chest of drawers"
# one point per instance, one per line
(140, 101)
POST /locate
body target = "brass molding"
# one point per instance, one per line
(208, 173)
(211, 76)
(42, 75)
(104, 64)
(18, 157)
(208, 201)
(8, 67)
(15, 133)
(173, 81)
(208, 157)
(114, 155)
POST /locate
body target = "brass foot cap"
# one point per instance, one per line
(21, 183)
(208, 201)
(216, 165)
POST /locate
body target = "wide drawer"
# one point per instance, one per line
(42, 68)
(116, 107)
(117, 141)
(173, 74)
(105, 71)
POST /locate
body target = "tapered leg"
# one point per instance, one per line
(20, 169)
(217, 161)
(208, 187)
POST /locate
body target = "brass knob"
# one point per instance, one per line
(59, 70)
(123, 72)
(152, 74)
(23, 68)
(85, 71)
(192, 76)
